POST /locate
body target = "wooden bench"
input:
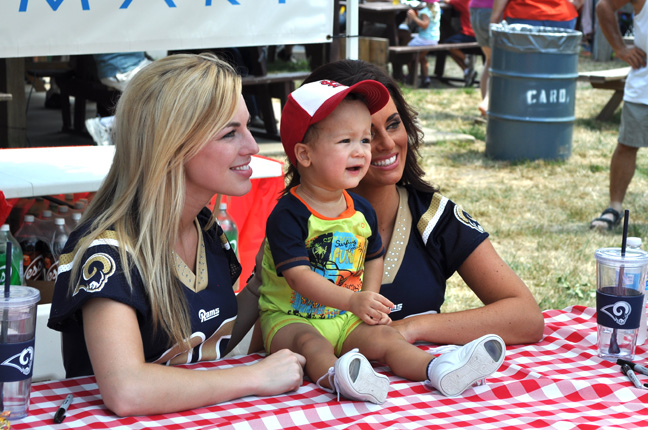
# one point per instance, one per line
(399, 55)
(273, 85)
(611, 79)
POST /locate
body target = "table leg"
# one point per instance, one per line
(611, 106)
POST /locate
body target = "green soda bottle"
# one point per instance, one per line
(15, 259)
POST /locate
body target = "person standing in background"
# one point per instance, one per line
(545, 13)
(633, 131)
(480, 14)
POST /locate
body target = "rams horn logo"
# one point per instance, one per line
(466, 219)
(619, 311)
(96, 271)
(21, 361)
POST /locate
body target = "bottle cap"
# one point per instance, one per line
(5, 227)
(634, 242)
(46, 213)
(29, 218)
(59, 221)
(222, 206)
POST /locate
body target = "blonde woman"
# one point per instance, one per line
(146, 280)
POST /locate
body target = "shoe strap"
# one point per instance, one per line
(332, 381)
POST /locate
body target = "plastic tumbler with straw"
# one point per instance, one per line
(620, 274)
(17, 328)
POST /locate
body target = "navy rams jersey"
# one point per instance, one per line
(431, 239)
(211, 301)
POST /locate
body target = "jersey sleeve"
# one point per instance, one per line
(101, 275)
(286, 232)
(448, 231)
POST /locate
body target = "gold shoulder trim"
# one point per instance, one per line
(431, 217)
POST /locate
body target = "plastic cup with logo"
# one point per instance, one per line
(620, 287)
(17, 327)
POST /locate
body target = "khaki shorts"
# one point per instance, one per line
(634, 125)
(480, 21)
(335, 330)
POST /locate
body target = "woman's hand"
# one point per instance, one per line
(279, 373)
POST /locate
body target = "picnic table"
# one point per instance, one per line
(611, 79)
(559, 382)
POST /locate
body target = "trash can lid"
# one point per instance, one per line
(529, 38)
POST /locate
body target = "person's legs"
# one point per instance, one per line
(424, 77)
(633, 134)
(306, 340)
(386, 345)
(622, 168)
(480, 20)
(483, 84)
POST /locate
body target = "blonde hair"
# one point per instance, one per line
(167, 113)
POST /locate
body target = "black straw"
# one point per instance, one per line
(624, 240)
(8, 261)
(614, 344)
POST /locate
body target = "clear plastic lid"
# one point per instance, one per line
(19, 296)
(612, 256)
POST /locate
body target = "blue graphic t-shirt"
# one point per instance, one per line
(336, 248)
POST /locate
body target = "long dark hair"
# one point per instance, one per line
(349, 72)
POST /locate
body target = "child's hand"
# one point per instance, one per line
(371, 307)
(411, 14)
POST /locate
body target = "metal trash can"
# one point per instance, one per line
(532, 91)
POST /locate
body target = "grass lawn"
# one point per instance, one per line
(536, 212)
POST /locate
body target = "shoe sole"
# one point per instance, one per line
(368, 386)
(479, 364)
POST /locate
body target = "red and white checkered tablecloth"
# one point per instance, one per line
(557, 383)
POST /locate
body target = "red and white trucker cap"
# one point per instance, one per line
(314, 101)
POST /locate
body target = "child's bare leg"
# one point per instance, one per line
(304, 339)
(386, 345)
(424, 63)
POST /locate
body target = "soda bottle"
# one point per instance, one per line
(46, 226)
(228, 225)
(14, 260)
(33, 246)
(59, 238)
(75, 220)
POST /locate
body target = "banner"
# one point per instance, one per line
(69, 27)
